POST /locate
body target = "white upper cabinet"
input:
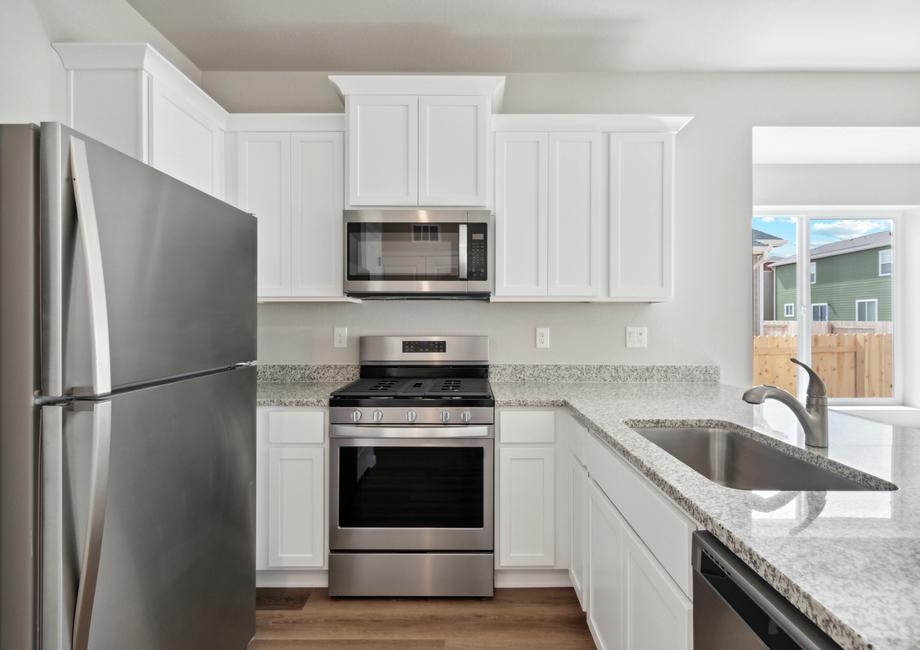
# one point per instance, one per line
(128, 96)
(583, 207)
(292, 180)
(521, 214)
(382, 150)
(316, 216)
(453, 137)
(576, 260)
(264, 189)
(418, 140)
(641, 181)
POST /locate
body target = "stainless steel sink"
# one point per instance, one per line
(737, 461)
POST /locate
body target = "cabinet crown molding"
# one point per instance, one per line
(490, 86)
(136, 56)
(591, 122)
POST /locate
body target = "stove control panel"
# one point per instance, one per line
(411, 416)
(424, 347)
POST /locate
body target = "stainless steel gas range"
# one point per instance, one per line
(411, 467)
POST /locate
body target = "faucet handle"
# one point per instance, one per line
(816, 386)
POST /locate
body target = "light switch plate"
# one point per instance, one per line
(542, 337)
(637, 337)
(340, 337)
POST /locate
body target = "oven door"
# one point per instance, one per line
(416, 251)
(411, 494)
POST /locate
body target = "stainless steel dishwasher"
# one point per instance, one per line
(735, 608)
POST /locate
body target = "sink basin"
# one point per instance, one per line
(737, 461)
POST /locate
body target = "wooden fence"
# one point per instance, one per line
(852, 365)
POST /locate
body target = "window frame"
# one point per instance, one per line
(827, 312)
(803, 216)
(788, 310)
(890, 263)
(813, 272)
(867, 301)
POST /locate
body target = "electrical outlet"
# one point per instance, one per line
(340, 337)
(542, 337)
(637, 337)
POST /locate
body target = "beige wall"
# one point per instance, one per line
(710, 318)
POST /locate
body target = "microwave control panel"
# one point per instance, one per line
(478, 247)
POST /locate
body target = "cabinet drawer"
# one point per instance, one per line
(291, 426)
(528, 427)
(578, 440)
(663, 528)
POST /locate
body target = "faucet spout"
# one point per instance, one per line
(812, 416)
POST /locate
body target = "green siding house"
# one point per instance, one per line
(850, 281)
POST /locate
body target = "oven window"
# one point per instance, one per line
(411, 487)
(403, 251)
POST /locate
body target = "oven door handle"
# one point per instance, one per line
(462, 254)
(349, 431)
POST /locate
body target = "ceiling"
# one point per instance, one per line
(540, 35)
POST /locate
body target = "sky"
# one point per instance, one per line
(823, 231)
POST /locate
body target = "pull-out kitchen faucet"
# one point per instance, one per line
(813, 416)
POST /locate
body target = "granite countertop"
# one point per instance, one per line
(849, 560)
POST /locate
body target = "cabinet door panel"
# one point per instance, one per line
(296, 507)
(640, 215)
(579, 551)
(575, 216)
(184, 143)
(520, 214)
(606, 548)
(316, 221)
(265, 190)
(383, 150)
(452, 145)
(658, 614)
(527, 506)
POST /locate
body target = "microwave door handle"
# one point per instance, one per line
(462, 250)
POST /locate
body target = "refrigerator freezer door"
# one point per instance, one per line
(174, 551)
(177, 268)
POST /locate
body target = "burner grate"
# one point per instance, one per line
(383, 385)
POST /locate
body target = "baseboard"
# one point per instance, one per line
(314, 578)
(505, 578)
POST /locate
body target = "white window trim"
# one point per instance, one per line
(889, 263)
(788, 310)
(820, 304)
(813, 272)
(867, 301)
(805, 213)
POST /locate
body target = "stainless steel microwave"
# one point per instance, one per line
(418, 253)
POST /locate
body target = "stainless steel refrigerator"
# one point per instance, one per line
(127, 397)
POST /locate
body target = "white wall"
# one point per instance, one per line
(32, 79)
(836, 185)
(709, 320)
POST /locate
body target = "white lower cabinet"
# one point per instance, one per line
(527, 496)
(578, 558)
(633, 603)
(295, 507)
(291, 488)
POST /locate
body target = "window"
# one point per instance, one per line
(867, 310)
(884, 262)
(813, 275)
(789, 310)
(819, 311)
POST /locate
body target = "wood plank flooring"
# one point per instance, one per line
(535, 619)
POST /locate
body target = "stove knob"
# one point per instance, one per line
(445, 417)
(465, 416)
(356, 416)
(411, 416)
(378, 415)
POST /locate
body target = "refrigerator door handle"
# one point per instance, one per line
(92, 543)
(92, 253)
